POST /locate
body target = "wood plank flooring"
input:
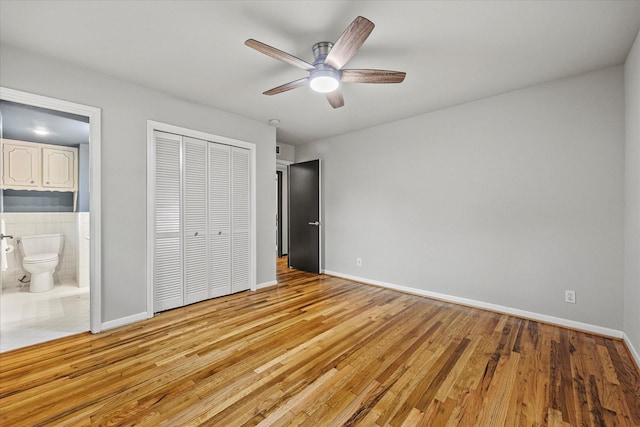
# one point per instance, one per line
(323, 351)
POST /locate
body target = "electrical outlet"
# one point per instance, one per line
(359, 262)
(570, 296)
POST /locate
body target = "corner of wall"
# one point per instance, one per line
(631, 308)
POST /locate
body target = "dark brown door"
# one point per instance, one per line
(304, 216)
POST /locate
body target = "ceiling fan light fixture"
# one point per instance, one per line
(324, 81)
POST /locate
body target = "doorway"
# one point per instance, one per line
(81, 232)
(279, 210)
(282, 208)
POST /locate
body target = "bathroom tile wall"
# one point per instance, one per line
(25, 224)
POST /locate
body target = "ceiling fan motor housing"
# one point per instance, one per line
(324, 78)
(320, 52)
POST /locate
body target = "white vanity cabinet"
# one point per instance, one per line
(21, 166)
(39, 167)
(60, 168)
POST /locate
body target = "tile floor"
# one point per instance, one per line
(27, 318)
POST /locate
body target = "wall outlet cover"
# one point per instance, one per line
(570, 296)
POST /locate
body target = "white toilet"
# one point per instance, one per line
(41, 259)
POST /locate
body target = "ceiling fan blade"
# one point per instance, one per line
(335, 98)
(349, 42)
(287, 86)
(372, 76)
(278, 54)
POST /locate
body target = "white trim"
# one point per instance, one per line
(254, 230)
(164, 127)
(614, 333)
(151, 183)
(94, 114)
(320, 219)
(124, 321)
(632, 349)
(177, 130)
(266, 284)
(283, 162)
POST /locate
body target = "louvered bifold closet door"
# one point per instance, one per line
(219, 220)
(195, 220)
(167, 259)
(240, 220)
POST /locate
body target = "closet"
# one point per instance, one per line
(202, 235)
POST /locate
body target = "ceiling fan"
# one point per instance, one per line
(326, 73)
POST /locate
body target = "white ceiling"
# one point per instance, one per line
(452, 51)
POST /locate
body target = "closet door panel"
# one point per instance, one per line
(195, 220)
(168, 291)
(167, 261)
(220, 266)
(219, 220)
(240, 220)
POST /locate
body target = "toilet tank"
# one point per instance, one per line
(42, 244)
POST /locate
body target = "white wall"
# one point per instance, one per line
(632, 199)
(509, 200)
(125, 110)
(287, 152)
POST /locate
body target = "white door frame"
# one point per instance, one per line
(151, 182)
(95, 285)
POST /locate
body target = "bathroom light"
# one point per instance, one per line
(324, 81)
(40, 131)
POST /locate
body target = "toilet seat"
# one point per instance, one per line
(38, 258)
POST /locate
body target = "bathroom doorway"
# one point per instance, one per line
(282, 209)
(33, 122)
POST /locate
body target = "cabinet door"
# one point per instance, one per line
(168, 289)
(240, 220)
(21, 166)
(59, 169)
(195, 220)
(219, 220)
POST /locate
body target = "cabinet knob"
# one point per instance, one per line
(47, 182)
(32, 182)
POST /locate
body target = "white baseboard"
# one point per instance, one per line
(123, 321)
(632, 350)
(492, 307)
(147, 315)
(266, 284)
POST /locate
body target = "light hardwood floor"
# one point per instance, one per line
(323, 351)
